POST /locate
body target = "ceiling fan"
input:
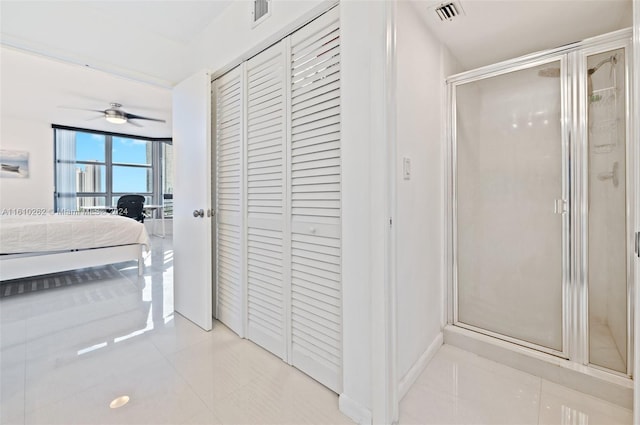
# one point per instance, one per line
(115, 115)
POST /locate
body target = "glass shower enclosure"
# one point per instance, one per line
(540, 247)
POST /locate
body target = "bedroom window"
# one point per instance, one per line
(95, 169)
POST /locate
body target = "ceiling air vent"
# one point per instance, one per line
(448, 11)
(261, 10)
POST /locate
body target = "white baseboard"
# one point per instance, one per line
(410, 377)
(354, 410)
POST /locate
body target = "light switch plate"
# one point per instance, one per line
(406, 168)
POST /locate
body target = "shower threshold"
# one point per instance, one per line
(598, 383)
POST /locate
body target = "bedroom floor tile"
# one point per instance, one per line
(284, 397)
(459, 387)
(222, 364)
(67, 352)
(60, 311)
(177, 334)
(49, 380)
(12, 371)
(157, 395)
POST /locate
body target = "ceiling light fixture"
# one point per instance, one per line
(116, 120)
(114, 115)
(119, 401)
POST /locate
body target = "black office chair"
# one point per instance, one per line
(132, 206)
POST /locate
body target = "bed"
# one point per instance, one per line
(36, 245)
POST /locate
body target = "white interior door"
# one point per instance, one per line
(267, 233)
(316, 282)
(192, 234)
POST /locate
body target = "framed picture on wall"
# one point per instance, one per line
(14, 164)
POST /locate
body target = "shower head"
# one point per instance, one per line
(613, 60)
(555, 72)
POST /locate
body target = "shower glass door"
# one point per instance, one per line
(607, 210)
(510, 205)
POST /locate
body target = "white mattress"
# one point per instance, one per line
(21, 234)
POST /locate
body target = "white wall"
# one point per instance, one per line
(33, 90)
(230, 36)
(422, 62)
(357, 239)
(35, 137)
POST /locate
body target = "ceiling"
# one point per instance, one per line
(38, 90)
(156, 41)
(145, 40)
(129, 52)
(490, 31)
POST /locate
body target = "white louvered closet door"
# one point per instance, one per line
(316, 315)
(227, 92)
(267, 236)
(278, 199)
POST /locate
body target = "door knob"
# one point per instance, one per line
(198, 213)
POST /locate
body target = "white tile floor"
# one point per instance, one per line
(459, 387)
(66, 352)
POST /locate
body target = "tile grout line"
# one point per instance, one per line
(184, 378)
(539, 402)
(24, 382)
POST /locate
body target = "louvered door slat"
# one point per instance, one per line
(324, 64)
(265, 149)
(330, 87)
(228, 120)
(310, 112)
(318, 132)
(330, 345)
(316, 201)
(323, 38)
(266, 158)
(318, 164)
(330, 93)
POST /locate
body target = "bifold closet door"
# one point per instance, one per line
(267, 238)
(316, 313)
(279, 199)
(227, 99)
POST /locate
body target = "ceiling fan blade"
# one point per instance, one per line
(134, 124)
(139, 117)
(82, 109)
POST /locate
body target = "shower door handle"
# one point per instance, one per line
(638, 244)
(560, 206)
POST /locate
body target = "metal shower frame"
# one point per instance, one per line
(573, 75)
